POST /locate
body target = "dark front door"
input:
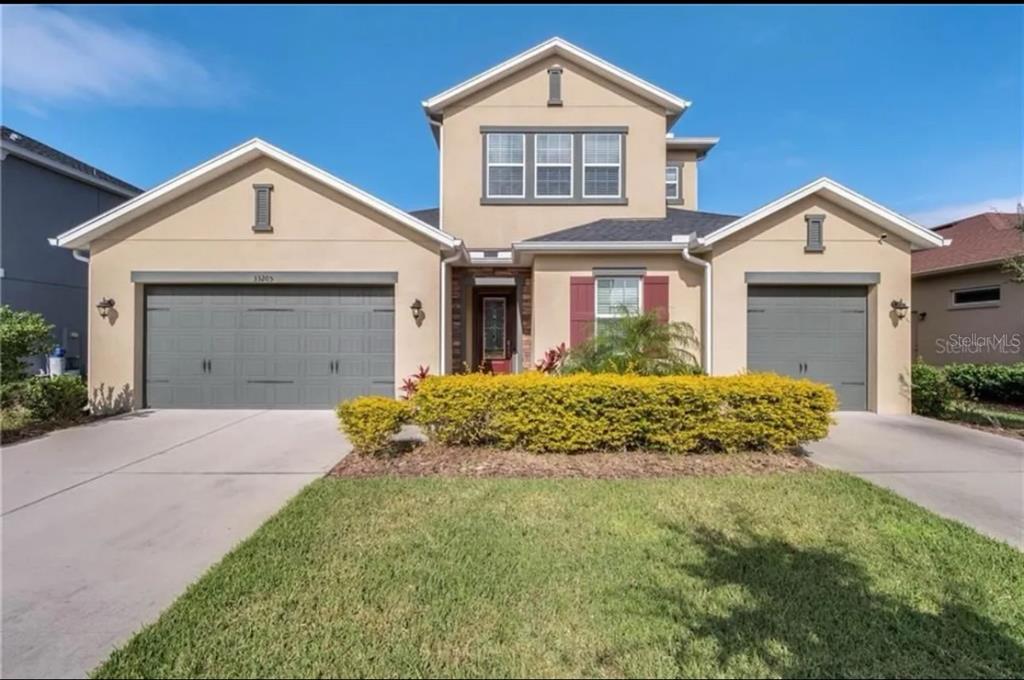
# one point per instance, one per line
(494, 333)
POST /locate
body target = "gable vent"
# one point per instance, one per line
(555, 86)
(815, 233)
(262, 221)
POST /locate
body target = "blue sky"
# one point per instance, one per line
(919, 108)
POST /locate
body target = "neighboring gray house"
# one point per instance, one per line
(44, 192)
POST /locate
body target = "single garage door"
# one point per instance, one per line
(267, 346)
(815, 332)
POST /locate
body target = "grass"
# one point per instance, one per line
(799, 575)
(993, 415)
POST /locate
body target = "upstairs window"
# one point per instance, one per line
(602, 165)
(615, 297)
(672, 182)
(506, 165)
(553, 161)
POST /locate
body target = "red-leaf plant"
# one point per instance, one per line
(412, 383)
(553, 359)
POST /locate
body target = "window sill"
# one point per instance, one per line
(554, 201)
(973, 305)
(814, 250)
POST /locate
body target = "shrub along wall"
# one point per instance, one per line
(601, 412)
(1001, 383)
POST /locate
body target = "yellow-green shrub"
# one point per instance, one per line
(604, 412)
(371, 422)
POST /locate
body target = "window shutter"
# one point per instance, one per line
(815, 233)
(656, 296)
(262, 221)
(581, 309)
(555, 86)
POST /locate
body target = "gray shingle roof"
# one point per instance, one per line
(611, 229)
(35, 146)
(431, 216)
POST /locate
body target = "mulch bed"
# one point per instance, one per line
(439, 461)
(38, 429)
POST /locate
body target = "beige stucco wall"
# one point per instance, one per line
(521, 100)
(210, 229)
(689, 162)
(992, 333)
(551, 275)
(852, 244)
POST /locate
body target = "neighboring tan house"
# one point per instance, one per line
(259, 280)
(967, 309)
(43, 190)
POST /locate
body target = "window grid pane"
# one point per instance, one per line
(505, 148)
(617, 296)
(672, 181)
(601, 181)
(554, 149)
(553, 166)
(504, 180)
(601, 149)
(554, 180)
(602, 155)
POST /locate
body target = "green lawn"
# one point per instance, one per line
(813, 574)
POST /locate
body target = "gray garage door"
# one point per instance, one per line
(267, 346)
(816, 332)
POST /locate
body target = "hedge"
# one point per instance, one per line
(371, 422)
(1001, 383)
(603, 412)
(932, 393)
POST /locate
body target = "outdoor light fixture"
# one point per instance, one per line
(104, 306)
(901, 308)
(417, 310)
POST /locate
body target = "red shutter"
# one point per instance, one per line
(581, 309)
(656, 296)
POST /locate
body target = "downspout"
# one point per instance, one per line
(442, 307)
(707, 354)
(78, 255)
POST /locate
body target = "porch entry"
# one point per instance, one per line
(495, 341)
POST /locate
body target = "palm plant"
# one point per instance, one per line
(637, 343)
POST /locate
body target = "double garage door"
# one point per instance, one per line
(815, 332)
(267, 346)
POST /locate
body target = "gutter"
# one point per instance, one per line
(707, 337)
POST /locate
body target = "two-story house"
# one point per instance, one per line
(43, 190)
(258, 280)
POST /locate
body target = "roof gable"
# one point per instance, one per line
(674, 106)
(81, 236)
(918, 236)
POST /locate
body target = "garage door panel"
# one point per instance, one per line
(267, 347)
(814, 332)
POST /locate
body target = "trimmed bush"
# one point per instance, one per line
(606, 412)
(54, 399)
(371, 422)
(1000, 383)
(22, 335)
(932, 393)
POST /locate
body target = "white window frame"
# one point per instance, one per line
(982, 303)
(537, 164)
(616, 314)
(602, 165)
(487, 159)
(677, 169)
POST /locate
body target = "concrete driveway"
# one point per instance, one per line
(105, 525)
(964, 474)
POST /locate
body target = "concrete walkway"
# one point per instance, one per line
(105, 525)
(964, 474)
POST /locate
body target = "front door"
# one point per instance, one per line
(495, 330)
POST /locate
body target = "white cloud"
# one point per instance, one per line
(53, 57)
(949, 213)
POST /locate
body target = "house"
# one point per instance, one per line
(258, 280)
(967, 308)
(42, 190)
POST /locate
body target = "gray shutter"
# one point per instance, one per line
(815, 233)
(262, 221)
(555, 86)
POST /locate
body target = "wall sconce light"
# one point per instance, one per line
(104, 306)
(900, 308)
(417, 311)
